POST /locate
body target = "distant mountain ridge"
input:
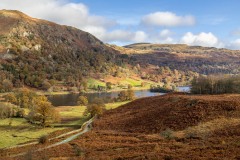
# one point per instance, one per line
(204, 60)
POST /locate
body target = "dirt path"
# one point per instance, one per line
(85, 128)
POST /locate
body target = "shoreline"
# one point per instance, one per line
(46, 93)
(89, 92)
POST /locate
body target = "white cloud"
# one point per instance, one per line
(235, 44)
(77, 15)
(201, 39)
(167, 40)
(163, 37)
(62, 12)
(140, 36)
(97, 31)
(118, 35)
(125, 36)
(74, 14)
(168, 19)
(165, 33)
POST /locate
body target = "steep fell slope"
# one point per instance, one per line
(32, 50)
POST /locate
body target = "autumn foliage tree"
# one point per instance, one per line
(43, 112)
(109, 85)
(82, 100)
(6, 86)
(22, 98)
(46, 85)
(215, 84)
(11, 98)
(97, 107)
(8, 110)
(126, 95)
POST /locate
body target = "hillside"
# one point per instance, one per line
(173, 111)
(203, 60)
(174, 126)
(33, 51)
(40, 54)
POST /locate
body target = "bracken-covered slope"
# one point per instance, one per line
(174, 126)
(32, 50)
(173, 111)
(204, 60)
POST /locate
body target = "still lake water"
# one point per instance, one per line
(71, 99)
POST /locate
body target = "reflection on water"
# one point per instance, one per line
(71, 99)
(184, 89)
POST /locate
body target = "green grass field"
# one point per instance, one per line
(115, 105)
(71, 111)
(20, 131)
(95, 82)
(135, 83)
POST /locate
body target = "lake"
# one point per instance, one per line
(71, 99)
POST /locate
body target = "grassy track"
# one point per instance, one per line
(20, 131)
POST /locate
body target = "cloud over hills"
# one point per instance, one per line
(168, 19)
(155, 27)
(201, 39)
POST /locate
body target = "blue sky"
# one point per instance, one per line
(211, 23)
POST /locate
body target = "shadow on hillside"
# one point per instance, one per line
(36, 127)
(67, 126)
(17, 128)
(66, 122)
(70, 122)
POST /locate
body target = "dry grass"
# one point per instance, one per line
(71, 111)
(156, 114)
(207, 129)
(203, 129)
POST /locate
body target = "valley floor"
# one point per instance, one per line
(15, 131)
(173, 126)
